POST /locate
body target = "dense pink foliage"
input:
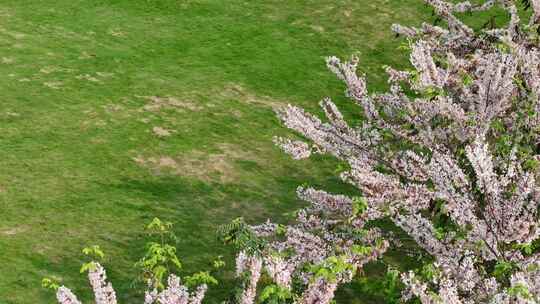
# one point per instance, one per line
(175, 293)
(440, 144)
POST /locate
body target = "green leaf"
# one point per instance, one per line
(331, 267)
(49, 284)
(94, 251)
(440, 233)
(429, 271)
(467, 79)
(88, 266)
(503, 269)
(520, 290)
(218, 262)
(362, 250)
(359, 205)
(199, 278)
(275, 294)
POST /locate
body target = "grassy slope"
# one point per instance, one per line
(72, 120)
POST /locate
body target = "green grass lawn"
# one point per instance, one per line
(113, 112)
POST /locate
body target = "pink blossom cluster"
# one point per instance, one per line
(253, 266)
(321, 232)
(174, 293)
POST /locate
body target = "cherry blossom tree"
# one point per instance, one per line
(449, 154)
